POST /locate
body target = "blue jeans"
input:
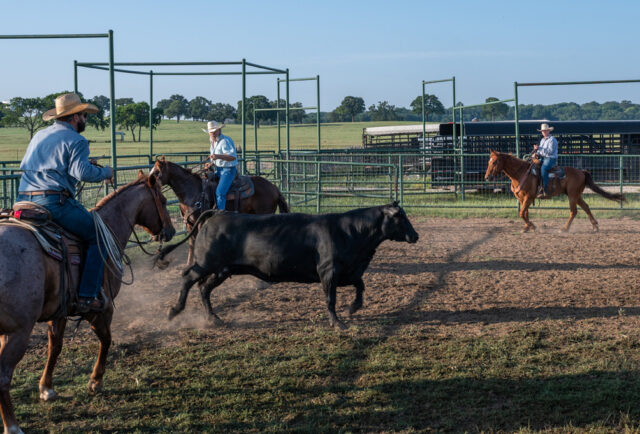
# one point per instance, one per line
(72, 216)
(226, 175)
(547, 165)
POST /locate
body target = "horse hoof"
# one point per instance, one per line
(48, 395)
(162, 264)
(338, 324)
(94, 386)
(215, 321)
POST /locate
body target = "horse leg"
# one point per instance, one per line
(56, 336)
(12, 348)
(329, 286)
(189, 278)
(586, 209)
(101, 326)
(205, 294)
(573, 210)
(524, 213)
(357, 303)
(190, 253)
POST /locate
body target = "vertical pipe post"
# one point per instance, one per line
(243, 117)
(454, 138)
(112, 112)
(318, 110)
(278, 114)
(462, 152)
(286, 115)
(75, 76)
(150, 117)
(621, 174)
(516, 116)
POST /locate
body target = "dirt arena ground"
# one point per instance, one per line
(463, 277)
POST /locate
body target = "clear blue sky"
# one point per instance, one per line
(378, 50)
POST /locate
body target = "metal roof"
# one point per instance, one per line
(400, 129)
(507, 128)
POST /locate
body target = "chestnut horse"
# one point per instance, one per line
(188, 189)
(30, 287)
(525, 186)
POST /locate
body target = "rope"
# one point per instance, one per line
(115, 253)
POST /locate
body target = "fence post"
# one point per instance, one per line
(401, 176)
(620, 175)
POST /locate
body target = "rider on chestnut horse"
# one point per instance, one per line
(547, 152)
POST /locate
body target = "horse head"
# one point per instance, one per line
(153, 215)
(496, 165)
(160, 170)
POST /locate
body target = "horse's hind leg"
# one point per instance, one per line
(524, 214)
(586, 209)
(205, 294)
(12, 348)
(573, 210)
(101, 326)
(56, 335)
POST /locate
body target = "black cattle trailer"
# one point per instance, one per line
(587, 145)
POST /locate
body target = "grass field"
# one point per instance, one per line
(172, 136)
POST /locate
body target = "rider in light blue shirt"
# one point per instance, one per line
(56, 159)
(225, 158)
(548, 152)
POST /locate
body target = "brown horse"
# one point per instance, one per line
(30, 287)
(188, 189)
(525, 185)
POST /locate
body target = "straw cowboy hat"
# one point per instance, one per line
(68, 104)
(545, 127)
(212, 126)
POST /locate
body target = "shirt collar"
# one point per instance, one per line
(64, 125)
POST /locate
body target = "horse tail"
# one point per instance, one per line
(166, 250)
(283, 206)
(588, 180)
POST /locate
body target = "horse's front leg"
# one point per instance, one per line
(56, 339)
(12, 348)
(101, 326)
(525, 202)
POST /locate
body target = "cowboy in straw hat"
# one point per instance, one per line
(547, 151)
(56, 159)
(225, 159)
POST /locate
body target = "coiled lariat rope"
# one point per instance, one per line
(115, 253)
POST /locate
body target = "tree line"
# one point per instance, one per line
(353, 109)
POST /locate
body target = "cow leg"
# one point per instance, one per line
(56, 337)
(586, 209)
(188, 280)
(12, 348)
(357, 303)
(330, 287)
(205, 294)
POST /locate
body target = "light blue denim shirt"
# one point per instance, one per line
(224, 145)
(548, 147)
(56, 159)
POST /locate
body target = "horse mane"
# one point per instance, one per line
(187, 170)
(142, 179)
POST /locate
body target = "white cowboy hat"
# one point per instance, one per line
(545, 127)
(68, 104)
(212, 126)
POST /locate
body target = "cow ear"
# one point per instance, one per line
(391, 210)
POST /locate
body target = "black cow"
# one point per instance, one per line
(334, 249)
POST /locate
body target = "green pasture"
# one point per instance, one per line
(172, 136)
(381, 376)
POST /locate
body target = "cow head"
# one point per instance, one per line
(396, 225)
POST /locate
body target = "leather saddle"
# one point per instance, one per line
(241, 188)
(63, 246)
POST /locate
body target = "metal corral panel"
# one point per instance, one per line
(529, 127)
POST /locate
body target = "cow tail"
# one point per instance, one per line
(166, 250)
(588, 180)
(283, 206)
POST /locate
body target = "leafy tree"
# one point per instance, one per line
(163, 104)
(383, 111)
(134, 116)
(26, 113)
(499, 110)
(220, 111)
(590, 110)
(99, 120)
(350, 106)
(296, 116)
(199, 108)
(432, 105)
(177, 108)
(124, 101)
(257, 101)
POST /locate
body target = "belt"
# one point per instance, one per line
(45, 192)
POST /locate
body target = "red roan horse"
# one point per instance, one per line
(30, 287)
(525, 185)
